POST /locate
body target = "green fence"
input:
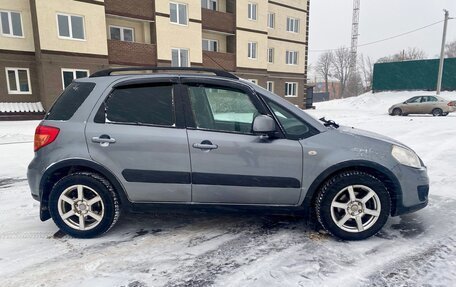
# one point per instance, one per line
(413, 75)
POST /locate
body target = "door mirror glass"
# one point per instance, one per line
(264, 125)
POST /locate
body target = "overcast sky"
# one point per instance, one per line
(330, 25)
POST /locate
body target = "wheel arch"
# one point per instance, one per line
(382, 173)
(60, 169)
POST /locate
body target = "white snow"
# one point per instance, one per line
(240, 250)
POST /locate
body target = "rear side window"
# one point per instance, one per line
(147, 105)
(69, 101)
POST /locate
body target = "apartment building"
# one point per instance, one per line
(45, 44)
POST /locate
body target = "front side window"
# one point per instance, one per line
(71, 26)
(18, 81)
(68, 75)
(291, 57)
(222, 109)
(291, 89)
(210, 45)
(178, 13)
(11, 24)
(294, 127)
(252, 11)
(271, 55)
(414, 100)
(209, 4)
(150, 105)
(179, 58)
(252, 50)
(121, 33)
(271, 20)
(292, 25)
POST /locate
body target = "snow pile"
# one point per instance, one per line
(21, 107)
(377, 103)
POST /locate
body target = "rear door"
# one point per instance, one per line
(229, 163)
(139, 135)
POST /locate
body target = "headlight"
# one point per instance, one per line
(405, 156)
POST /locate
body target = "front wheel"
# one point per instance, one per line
(397, 112)
(84, 205)
(353, 205)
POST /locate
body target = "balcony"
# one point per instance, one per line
(217, 60)
(138, 9)
(131, 54)
(218, 21)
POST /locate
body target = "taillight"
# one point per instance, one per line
(452, 104)
(45, 135)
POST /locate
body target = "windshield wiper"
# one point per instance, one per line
(328, 123)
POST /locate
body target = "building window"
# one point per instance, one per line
(210, 45)
(270, 86)
(178, 13)
(255, 81)
(291, 57)
(209, 4)
(179, 58)
(121, 33)
(271, 55)
(11, 24)
(252, 50)
(252, 11)
(290, 89)
(292, 25)
(18, 81)
(68, 75)
(271, 20)
(71, 26)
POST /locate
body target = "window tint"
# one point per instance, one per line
(294, 127)
(141, 105)
(223, 109)
(414, 100)
(69, 101)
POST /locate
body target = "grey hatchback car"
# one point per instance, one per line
(120, 140)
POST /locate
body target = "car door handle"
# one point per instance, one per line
(205, 145)
(103, 139)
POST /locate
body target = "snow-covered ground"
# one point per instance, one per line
(200, 249)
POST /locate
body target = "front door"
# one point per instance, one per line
(137, 135)
(229, 163)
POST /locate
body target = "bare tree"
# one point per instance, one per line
(450, 50)
(341, 68)
(367, 71)
(404, 55)
(323, 67)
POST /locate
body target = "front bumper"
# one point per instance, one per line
(414, 189)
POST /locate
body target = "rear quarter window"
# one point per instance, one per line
(69, 101)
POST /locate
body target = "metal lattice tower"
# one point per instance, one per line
(354, 34)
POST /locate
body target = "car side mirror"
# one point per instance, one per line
(405, 102)
(264, 126)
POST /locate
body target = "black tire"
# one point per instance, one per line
(333, 188)
(109, 203)
(437, 112)
(396, 112)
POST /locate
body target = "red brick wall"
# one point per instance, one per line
(126, 53)
(218, 21)
(225, 61)
(143, 9)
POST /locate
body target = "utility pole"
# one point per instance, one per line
(442, 53)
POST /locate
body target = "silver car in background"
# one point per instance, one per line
(434, 105)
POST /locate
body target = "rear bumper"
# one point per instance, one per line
(415, 189)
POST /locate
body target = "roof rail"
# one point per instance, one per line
(219, 73)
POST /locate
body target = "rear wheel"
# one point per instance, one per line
(437, 112)
(397, 112)
(353, 205)
(84, 205)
